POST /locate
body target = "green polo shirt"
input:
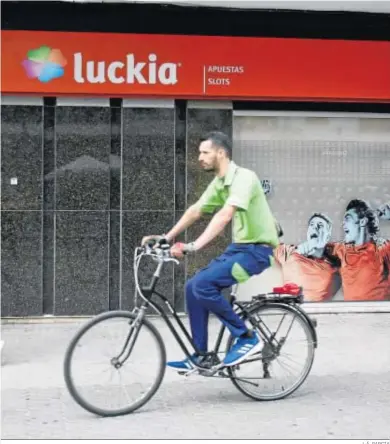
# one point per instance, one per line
(253, 221)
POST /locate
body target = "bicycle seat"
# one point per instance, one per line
(291, 289)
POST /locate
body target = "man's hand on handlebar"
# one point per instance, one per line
(179, 249)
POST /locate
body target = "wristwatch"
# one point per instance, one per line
(189, 248)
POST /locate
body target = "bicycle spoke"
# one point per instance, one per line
(286, 366)
(286, 356)
(123, 386)
(299, 341)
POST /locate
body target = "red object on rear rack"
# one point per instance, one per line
(292, 289)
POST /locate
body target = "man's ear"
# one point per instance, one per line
(221, 152)
(363, 222)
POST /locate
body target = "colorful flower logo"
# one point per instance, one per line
(44, 64)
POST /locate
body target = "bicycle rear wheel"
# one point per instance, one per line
(291, 353)
(93, 372)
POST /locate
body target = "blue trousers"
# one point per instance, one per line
(203, 291)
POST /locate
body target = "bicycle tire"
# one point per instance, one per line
(240, 385)
(71, 348)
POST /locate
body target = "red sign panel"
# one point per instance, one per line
(58, 63)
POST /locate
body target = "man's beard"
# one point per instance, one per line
(210, 169)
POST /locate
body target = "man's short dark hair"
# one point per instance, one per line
(363, 210)
(221, 140)
(323, 216)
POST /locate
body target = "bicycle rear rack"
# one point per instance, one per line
(279, 297)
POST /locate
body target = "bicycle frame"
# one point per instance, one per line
(147, 293)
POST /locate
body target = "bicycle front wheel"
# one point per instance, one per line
(284, 363)
(108, 376)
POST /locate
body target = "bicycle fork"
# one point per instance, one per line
(135, 326)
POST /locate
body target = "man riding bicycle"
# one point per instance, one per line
(238, 196)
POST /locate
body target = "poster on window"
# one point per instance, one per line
(328, 184)
(359, 264)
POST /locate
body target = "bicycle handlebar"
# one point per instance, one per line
(160, 254)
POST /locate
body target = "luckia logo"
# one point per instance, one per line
(44, 64)
(130, 70)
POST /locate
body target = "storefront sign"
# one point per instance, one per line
(58, 63)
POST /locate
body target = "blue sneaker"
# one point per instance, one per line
(185, 364)
(242, 349)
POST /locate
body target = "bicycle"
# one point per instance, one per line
(283, 301)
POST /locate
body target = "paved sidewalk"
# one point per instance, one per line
(345, 396)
